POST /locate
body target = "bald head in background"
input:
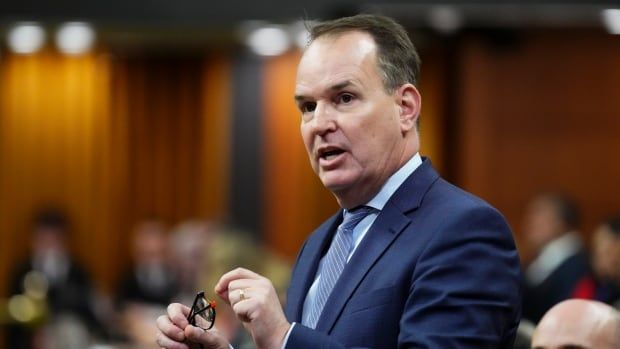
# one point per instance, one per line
(578, 324)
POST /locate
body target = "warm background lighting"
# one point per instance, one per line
(269, 41)
(611, 19)
(26, 38)
(75, 38)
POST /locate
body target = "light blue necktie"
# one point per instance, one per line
(335, 260)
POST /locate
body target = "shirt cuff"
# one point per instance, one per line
(290, 329)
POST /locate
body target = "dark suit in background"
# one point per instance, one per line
(560, 285)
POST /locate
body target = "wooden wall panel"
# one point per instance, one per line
(215, 159)
(433, 88)
(295, 200)
(111, 140)
(541, 113)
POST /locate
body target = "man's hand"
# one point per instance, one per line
(174, 332)
(255, 302)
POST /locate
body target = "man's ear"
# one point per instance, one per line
(409, 103)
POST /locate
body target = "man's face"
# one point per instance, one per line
(606, 254)
(541, 224)
(351, 127)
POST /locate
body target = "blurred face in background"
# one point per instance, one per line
(48, 241)
(541, 224)
(150, 243)
(606, 254)
(353, 129)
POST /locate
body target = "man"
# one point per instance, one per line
(411, 261)
(150, 280)
(606, 261)
(578, 324)
(550, 228)
(604, 282)
(51, 272)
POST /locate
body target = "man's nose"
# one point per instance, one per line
(324, 118)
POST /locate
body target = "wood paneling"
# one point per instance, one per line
(54, 150)
(110, 140)
(295, 200)
(540, 113)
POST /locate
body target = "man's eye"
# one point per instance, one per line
(308, 107)
(345, 98)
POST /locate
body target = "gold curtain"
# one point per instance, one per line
(295, 200)
(55, 149)
(110, 140)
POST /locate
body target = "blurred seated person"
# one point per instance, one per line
(578, 324)
(190, 243)
(550, 229)
(149, 285)
(150, 279)
(51, 274)
(604, 283)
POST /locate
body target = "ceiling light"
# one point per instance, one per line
(298, 31)
(269, 41)
(445, 19)
(611, 19)
(25, 38)
(75, 38)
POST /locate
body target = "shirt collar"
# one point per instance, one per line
(394, 182)
(552, 255)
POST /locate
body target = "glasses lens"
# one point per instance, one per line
(204, 314)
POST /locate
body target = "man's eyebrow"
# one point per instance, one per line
(335, 87)
(340, 85)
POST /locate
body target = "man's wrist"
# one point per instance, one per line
(286, 335)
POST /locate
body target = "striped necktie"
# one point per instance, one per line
(335, 260)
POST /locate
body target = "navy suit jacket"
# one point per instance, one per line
(438, 269)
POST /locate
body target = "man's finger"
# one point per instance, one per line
(243, 309)
(240, 273)
(168, 343)
(169, 329)
(178, 314)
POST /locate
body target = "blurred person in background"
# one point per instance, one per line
(550, 230)
(150, 279)
(431, 266)
(51, 274)
(149, 285)
(604, 282)
(578, 324)
(190, 243)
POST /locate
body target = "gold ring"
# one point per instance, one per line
(241, 294)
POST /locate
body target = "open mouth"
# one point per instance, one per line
(330, 153)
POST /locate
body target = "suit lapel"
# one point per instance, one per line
(307, 264)
(388, 225)
(380, 236)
